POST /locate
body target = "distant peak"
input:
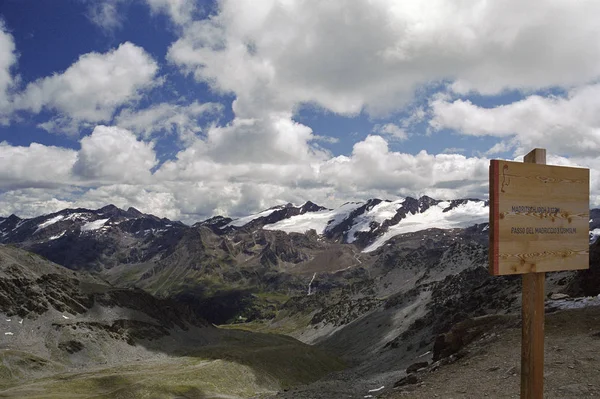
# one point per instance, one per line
(13, 217)
(134, 212)
(109, 208)
(310, 206)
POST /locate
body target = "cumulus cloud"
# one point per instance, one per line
(569, 125)
(34, 166)
(372, 167)
(32, 202)
(8, 59)
(373, 55)
(165, 117)
(148, 199)
(108, 155)
(344, 57)
(92, 88)
(114, 154)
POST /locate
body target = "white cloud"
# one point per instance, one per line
(391, 129)
(8, 59)
(195, 186)
(92, 88)
(34, 166)
(165, 117)
(148, 199)
(115, 155)
(346, 56)
(32, 202)
(372, 168)
(180, 11)
(106, 14)
(273, 139)
(365, 56)
(569, 125)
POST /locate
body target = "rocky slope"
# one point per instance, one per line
(489, 348)
(67, 333)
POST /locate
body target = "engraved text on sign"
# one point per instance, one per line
(539, 218)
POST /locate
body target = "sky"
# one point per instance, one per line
(189, 109)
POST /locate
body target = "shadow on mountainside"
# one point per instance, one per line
(64, 333)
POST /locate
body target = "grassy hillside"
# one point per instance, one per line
(241, 365)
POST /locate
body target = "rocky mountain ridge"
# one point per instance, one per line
(293, 270)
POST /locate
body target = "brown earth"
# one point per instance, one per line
(489, 367)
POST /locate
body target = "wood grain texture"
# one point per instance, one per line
(532, 341)
(537, 155)
(532, 312)
(539, 217)
(494, 216)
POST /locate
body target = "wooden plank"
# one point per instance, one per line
(494, 216)
(532, 340)
(539, 217)
(537, 155)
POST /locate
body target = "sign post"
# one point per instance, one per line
(539, 222)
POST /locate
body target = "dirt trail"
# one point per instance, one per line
(491, 366)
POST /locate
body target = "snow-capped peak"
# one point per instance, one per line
(247, 219)
(318, 221)
(442, 215)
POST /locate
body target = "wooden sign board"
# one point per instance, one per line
(539, 218)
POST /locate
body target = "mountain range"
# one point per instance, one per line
(374, 282)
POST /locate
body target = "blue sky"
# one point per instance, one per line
(189, 109)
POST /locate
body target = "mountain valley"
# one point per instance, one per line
(361, 292)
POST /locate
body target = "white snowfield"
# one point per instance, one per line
(464, 215)
(49, 222)
(247, 219)
(94, 225)
(319, 221)
(379, 213)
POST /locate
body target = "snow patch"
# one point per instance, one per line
(379, 213)
(65, 317)
(94, 225)
(8, 333)
(49, 222)
(463, 215)
(247, 219)
(310, 283)
(377, 389)
(57, 236)
(318, 221)
(78, 216)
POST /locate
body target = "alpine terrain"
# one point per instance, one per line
(364, 300)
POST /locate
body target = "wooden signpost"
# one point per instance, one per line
(539, 222)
